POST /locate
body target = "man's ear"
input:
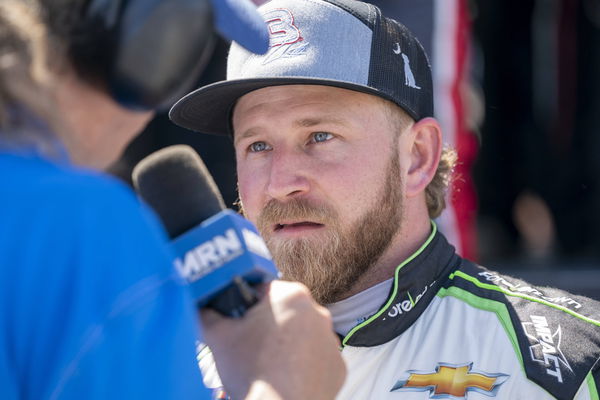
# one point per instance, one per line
(425, 151)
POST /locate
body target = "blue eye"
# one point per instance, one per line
(258, 147)
(319, 137)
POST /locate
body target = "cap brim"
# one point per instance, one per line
(208, 109)
(238, 20)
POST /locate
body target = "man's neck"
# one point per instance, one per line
(348, 313)
(405, 243)
(93, 126)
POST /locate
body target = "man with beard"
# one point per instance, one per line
(90, 304)
(342, 167)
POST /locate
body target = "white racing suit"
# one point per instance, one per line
(451, 329)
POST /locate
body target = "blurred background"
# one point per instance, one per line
(518, 95)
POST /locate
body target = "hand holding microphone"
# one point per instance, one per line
(283, 348)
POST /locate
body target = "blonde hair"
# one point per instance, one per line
(435, 192)
(23, 59)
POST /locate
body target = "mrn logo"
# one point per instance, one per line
(546, 347)
(209, 255)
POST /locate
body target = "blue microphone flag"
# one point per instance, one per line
(221, 248)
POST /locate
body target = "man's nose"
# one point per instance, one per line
(288, 175)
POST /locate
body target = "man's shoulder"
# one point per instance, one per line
(555, 333)
(44, 196)
(34, 183)
(486, 284)
(76, 223)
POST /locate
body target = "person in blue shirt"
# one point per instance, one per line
(90, 305)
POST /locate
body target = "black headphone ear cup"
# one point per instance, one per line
(162, 48)
(146, 53)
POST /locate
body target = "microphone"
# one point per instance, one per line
(218, 252)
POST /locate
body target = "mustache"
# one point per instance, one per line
(295, 209)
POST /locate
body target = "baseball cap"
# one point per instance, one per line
(341, 43)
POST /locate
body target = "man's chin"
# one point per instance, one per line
(310, 234)
(304, 245)
(326, 286)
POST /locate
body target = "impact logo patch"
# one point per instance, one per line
(546, 346)
(450, 381)
(285, 40)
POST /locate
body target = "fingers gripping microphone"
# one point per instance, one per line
(218, 252)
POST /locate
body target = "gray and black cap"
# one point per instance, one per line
(342, 43)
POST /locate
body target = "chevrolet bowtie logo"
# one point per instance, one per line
(451, 381)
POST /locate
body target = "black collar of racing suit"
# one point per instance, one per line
(416, 282)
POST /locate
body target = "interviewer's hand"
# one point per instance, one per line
(283, 348)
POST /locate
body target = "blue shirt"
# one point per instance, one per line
(90, 305)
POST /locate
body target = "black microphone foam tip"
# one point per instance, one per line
(177, 185)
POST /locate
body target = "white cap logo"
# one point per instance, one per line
(409, 77)
(285, 38)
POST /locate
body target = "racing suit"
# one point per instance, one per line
(451, 329)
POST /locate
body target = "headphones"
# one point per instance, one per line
(147, 53)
